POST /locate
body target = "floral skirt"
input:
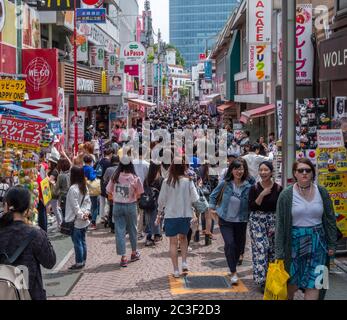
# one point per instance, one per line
(308, 252)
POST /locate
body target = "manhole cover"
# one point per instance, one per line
(206, 282)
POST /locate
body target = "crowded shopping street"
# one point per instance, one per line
(143, 160)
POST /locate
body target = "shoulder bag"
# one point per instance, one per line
(66, 228)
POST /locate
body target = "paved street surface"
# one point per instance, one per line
(149, 278)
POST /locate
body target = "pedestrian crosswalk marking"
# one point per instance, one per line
(177, 285)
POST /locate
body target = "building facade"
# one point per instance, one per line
(195, 24)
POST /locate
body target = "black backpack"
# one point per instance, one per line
(148, 199)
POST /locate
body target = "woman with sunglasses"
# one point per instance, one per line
(229, 200)
(305, 230)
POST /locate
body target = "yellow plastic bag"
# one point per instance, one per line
(276, 282)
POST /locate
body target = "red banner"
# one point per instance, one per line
(132, 70)
(21, 132)
(41, 68)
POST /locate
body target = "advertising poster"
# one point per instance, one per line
(80, 121)
(46, 190)
(116, 84)
(31, 28)
(279, 119)
(97, 56)
(304, 46)
(330, 138)
(340, 110)
(279, 48)
(330, 160)
(82, 52)
(259, 63)
(41, 68)
(61, 107)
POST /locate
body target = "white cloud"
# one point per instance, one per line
(160, 16)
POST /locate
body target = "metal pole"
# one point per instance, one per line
(75, 78)
(288, 89)
(19, 7)
(146, 83)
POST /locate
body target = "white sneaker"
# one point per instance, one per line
(190, 249)
(234, 279)
(184, 267)
(176, 274)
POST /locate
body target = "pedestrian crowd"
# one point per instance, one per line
(139, 199)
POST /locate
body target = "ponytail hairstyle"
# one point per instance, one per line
(18, 201)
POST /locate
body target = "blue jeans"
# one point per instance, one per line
(94, 208)
(125, 219)
(151, 228)
(79, 241)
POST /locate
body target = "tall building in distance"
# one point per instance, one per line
(194, 24)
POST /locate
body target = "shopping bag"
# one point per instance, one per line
(94, 187)
(276, 282)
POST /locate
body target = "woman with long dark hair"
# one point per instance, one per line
(14, 231)
(152, 185)
(126, 188)
(78, 208)
(230, 202)
(177, 195)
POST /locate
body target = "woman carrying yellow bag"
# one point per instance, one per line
(305, 231)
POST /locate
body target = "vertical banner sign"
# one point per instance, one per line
(259, 40)
(97, 57)
(208, 70)
(111, 64)
(304, 46)
(80, 122)
(259, 21)
(41, 68)
(279, 119)
(82, 52)
(61, 107)
(279, 49)
(259, 62)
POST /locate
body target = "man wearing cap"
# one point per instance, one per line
(89, 133)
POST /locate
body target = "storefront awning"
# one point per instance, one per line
(213, 96)
(257, 113)
(226, 106)
(205, 103)
(142, 102)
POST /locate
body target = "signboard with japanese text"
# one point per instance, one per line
(279, 48)
(82, 52)
(41, 68)
(330, 138)
(57, 5)
(21, 133)
(111, 63)
(80, 122)
(97, 57)
(304, 46)
(259, 21)
(208, 70)
(331, 160)
(279, 119)
(46, 190)
(259, 63)
(61, 107)
(12, 90)
(133, 53)
(94, 15)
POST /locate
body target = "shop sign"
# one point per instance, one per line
(208, 70)
(331, 160)
(330, 138)
(259, 63)
(259, 21)
(85, 85)
(46, 190)
(82, 52)
(279, 119)
(58, 5)
(133, 53)
(132, 70)
(279, 48)
(61, 107)
(12, 90)
(304, 46)
(41, 68)
(245, 87)
(21, 132)
(97, 56)
(2, 14)
(94, 15)
(111, 63)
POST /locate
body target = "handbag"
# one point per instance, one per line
(94, 187)
(276, 282)
(66, 228)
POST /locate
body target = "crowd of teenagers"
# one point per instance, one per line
(138, 199)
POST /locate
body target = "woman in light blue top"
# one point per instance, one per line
(230, 201)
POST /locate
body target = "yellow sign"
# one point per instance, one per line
(22, 146)
(103, 82)
(46, 191)
(336, 184)
(12, 90)
(331, 160)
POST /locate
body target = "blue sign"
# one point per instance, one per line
(208, 70)
(91, 15)
(55, 126)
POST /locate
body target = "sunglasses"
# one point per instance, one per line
(305, 170)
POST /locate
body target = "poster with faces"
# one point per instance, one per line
(340, 110)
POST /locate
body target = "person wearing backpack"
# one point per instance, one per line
(78, 207)
(126, 188)
(23, 245)
(149, 203)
